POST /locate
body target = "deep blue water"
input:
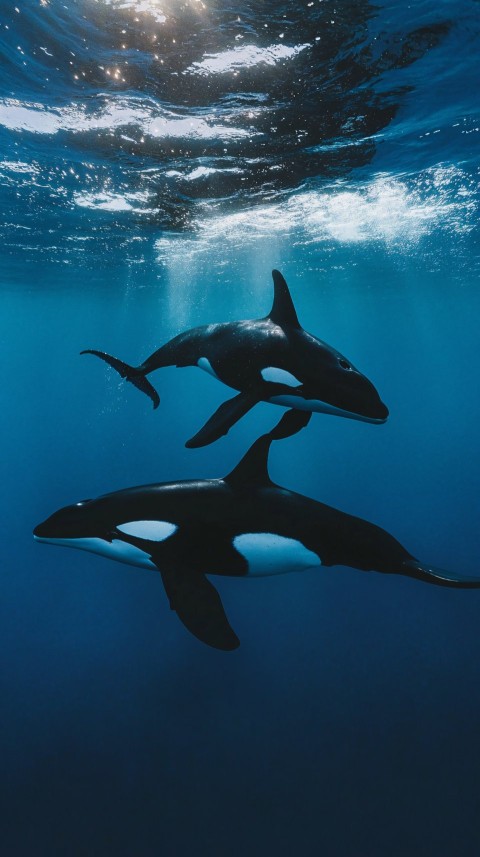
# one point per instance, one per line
(150, 188)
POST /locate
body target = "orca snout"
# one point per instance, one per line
(361, 399)
(375, 411)
(45, 531)
(380, 412)
(38, 532)
(69, 522)
(386, 412)
(369, 402)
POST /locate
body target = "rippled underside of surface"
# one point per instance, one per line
(168, 116)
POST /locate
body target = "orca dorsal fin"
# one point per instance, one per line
(252, 470)
(283, 311)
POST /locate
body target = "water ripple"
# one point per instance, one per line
(151, 111)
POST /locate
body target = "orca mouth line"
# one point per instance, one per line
(49, 540)
(377, 420)
(382, 410)
(351, 415)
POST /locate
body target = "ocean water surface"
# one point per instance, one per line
(157, 160)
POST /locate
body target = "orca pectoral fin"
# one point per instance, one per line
(129, 373)
(291, 422)
(430, 574)
(223, 419)
(199, 607)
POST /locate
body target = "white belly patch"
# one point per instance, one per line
(118, 550)
(204, 363)
(315, 405)
(268, 553)
(279, 376)
(152, 531)
(318, 407)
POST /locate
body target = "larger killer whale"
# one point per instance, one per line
(242, 525)
(270, 359)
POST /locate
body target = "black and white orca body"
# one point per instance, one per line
(242, 526)
(270, 359)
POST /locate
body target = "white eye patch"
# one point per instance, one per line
(152, 531)
(279, 376)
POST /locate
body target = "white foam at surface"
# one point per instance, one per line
(18, 167)
(387, 209)
(117, 112)
(139, 7)
(245, 56)
(201, 173)
(193, 127)
(109, 201)
(36, 118)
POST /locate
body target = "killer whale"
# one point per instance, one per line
(272, 359)
(242, 525)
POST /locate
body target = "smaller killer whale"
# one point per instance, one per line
(242, 525)
(270, 359)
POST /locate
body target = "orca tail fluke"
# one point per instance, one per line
(438, 576)
(130, 373)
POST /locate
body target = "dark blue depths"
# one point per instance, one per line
(347, 722)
